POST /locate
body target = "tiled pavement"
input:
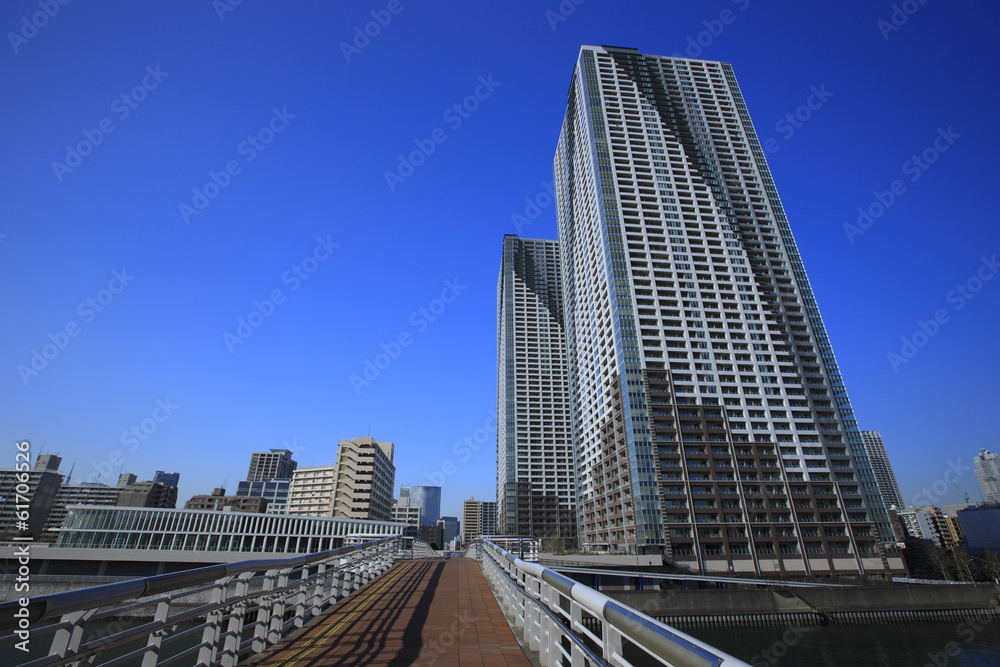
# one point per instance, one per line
(422, 612)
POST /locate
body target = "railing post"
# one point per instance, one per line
(318, 589)
(276, 628)
(234, 630)
(210, 635)
(260, 634)
(67, 641)
(152, 655)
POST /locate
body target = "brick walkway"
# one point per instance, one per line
(422, 612)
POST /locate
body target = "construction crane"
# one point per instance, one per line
(960, 491)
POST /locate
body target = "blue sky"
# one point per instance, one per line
(248, 159)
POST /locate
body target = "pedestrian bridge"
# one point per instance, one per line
(389, 602)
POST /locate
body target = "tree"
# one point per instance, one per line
(941, 560)
(992, 564)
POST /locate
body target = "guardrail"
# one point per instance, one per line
(553, 612)
(237, 621)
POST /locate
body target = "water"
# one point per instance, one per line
(969, 643)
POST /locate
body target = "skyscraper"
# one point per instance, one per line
(882, 469)
(710, 419)
(987, 466)
(428, 499)
(535, 471)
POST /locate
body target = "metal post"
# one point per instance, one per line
(152, 655)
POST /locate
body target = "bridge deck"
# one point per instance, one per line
(428, 612)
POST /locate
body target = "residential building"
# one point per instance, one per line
(275, 464)
(710, 418)
(428, 499)
(365, 479)
(987, 465)
(404, 512)
(479, 517)
(929, 523)
(218, 501)
(275, 491)
(535, 471)
(885, 478)
(32, 490)
(311, 490)
(148, 494)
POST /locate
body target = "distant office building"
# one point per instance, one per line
(40, 488)
(148, 494)
(536, 488)
(126, 479)
(276, 464)
(428, 499)
(981, 525)
(403, 512)
(274, 491)
(433, 535)
(365, 480)
(449, 526)
(167, 478)
(88, 493)
(311, 490)
(479, 517)
(987, 465)
(885, 478)
(219, 501)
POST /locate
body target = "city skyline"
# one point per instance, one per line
(183, 342)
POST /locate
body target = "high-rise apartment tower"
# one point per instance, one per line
(710, 419)
(535, 471)
(882, 469)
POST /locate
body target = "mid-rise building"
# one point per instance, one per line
(218, 501)
(479, 517)
(535, 470)
(710, 418)
(35, 490)
(311, 490)
(981, 527)
(404, 512)
(148, 494)
(450, 532)
(885, 478)
(274, 491)
(428, 499)
(987, 465)
(929, 523)
(275, 464)
(366, 478)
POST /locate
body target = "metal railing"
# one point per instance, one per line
(569, 623)
(250, 606)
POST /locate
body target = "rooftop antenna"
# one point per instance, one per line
(70, 475)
